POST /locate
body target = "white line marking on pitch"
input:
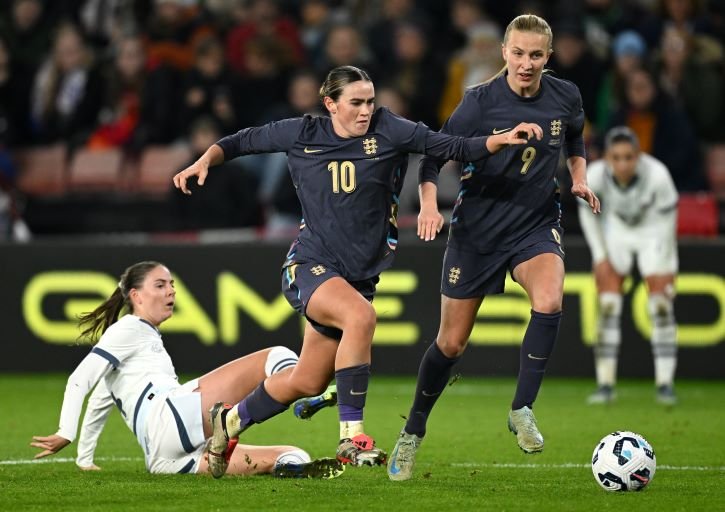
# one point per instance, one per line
(565, 465)
(64, 459)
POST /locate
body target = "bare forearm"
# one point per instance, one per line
(577, 169)
(213, 156)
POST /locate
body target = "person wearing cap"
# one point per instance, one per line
(637, 224)
(629, 53)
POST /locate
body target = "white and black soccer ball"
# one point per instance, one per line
(623, 461)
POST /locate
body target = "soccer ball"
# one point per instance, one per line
(623, 461)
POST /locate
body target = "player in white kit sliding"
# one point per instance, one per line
(638, 222)
(130, 368)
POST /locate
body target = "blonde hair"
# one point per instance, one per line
(526, 23)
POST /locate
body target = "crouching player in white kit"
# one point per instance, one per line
(638, 220)
(130, 368)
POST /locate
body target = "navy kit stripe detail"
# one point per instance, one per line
(107, 356)
(156, 329)
(187, 467)
(138, 405)
(284, 363)
(183, 435)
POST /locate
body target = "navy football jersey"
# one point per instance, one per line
(507, 195)
(349, 187)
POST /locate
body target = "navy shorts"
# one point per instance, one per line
(467, 274)
(300, 280)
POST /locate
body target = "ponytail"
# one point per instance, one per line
(95, 323)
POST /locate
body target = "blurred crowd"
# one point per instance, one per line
(129, 75)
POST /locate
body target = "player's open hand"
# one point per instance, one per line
(430, 223)
(49, 444)
(198, 169)
(582, 190)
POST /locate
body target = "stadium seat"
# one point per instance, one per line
(715, 169)
(42, 170)
(158, 165)
(94, 170)
(697, 215)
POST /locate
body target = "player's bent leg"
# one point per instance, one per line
(457, 318)
(235, 380)
(402, 458)
(542, 276)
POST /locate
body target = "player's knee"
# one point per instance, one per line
(279, 358)
(610, 305)
(660, 306)
(548, 303)
(362, 319)
(452, 346)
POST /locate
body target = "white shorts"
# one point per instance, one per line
(654, 256)
(174, 431)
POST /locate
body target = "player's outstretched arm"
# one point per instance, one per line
(213, 156)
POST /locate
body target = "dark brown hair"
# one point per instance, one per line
(95, 323)
(338, 78)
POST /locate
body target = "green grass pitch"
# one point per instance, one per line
(469, 461)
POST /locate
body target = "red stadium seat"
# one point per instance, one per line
(94, 170)
(697, 215)
(42, 170)
(158, 165)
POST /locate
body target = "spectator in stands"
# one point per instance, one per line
(475, 63)
(27, 32)
(265, 81)
(415, 64)
(207, 89)
(662, 130)
(264, 21)
(230, 203)
(381, 33)
(572, 60)
(15, 85)
(629, 52)
(344, 45)
(67, 91)
(686, 15)
(316, 20)
(277, 193)
(691, 82)
(123, 88)
(172, 32)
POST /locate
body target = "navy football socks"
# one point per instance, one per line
(535, 351)
(433, 375)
